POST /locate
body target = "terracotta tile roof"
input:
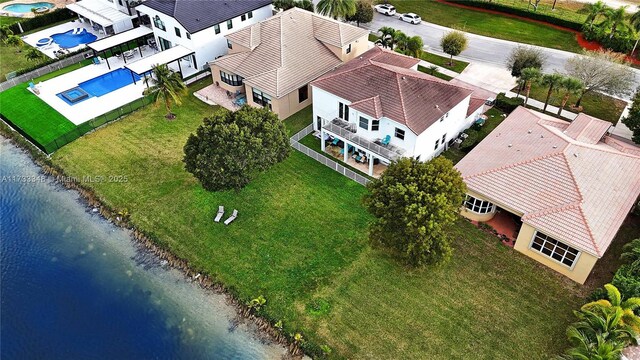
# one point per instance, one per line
(570, 188)
(474, 104)
(403, 95)
(632, 352)
(287, 50)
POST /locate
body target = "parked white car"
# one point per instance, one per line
(385, 9)
(411, 18)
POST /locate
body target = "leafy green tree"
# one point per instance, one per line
(634, 22)
(595, 10)
(168, 87)
(615, 18)
(231, 148)
(569, 86)
(364, 12)
(400, 39)
(414, 46)
(336, 8)
(415, 203)
(632, 120)
(552, 81)
(289, 4)
(528, 77)
(627, 277)
(623, 308)
(5, 32)
(15, 41)
(523, 57)
(453, 43)
(33, 54)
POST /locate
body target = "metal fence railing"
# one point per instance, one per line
(386, 152)
(323, 159)
(46, 69)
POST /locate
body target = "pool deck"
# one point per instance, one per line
(58, 5)
(32, 39)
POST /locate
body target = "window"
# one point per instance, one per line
(188, 36)
(158, 23)
(261, 98)
(444, 138)
(216, 28)
(364, 123)
(348, 48)
(343, 111)
(437, 144)
(233, 80)
(229, 45)
(303, 94)
(177, 32)
(120, 2)
(554, 249)
(399, 134)
(375, 125)
(478, 206)
(250, 14)
(243, 17)
(229, 24)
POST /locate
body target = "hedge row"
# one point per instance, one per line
(43, 20)
(508, 104)
(521, 12)
(48, 61)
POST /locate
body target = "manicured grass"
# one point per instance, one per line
(595, 104)
(12, 60)
(567, 10)
(458, 65)
(437, 74)
(492, 25)
(299, 120)
(494, 118)
(373, 38)
(301, 241)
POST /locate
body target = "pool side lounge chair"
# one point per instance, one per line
(220, 213)
(233, 216)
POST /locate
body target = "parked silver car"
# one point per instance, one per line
(385, 9)
(411, 18)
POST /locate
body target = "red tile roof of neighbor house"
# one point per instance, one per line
(632, 352)
(569, 180)
(381, 83)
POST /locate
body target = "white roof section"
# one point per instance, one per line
(98, 11)
(121, 38)
(146, 64)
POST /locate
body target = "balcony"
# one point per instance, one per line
(347, 131)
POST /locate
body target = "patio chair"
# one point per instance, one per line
(386, 140)
(358, 158)
(335, 141)
(220, 213)
(233, 216)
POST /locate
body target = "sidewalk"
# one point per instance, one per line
(539, 105)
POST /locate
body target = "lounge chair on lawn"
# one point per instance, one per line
(220, 213)
(232, 217)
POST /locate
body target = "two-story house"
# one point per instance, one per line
(106, 16)
(200, 26)
(273, 61)
(378, 106)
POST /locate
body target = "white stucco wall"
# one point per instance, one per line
(206, 44)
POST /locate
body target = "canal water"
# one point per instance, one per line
(73, 286)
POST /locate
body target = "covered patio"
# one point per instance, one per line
(121, 45)
(101, 17)
(173, 57)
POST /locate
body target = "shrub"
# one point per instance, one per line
(508, 104)
(43, 20)
(471, 139)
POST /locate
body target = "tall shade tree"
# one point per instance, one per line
(167, 88)
(615, 302)
(632, 120)
(386, 36)
(568, 86)
(336, 8)
(415, 204)
(230, 148)
(601, 71)
(614, 18)
(552, 82)
(453, 43)
(364, 12)
(33, 54)
(595, 10)
(528, 77)
(523, 57)
(15, 41)
(414, 46)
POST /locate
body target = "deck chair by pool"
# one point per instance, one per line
(386, 140)
(233, 216)
(220, 213)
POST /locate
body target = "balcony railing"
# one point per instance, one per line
(388, 152)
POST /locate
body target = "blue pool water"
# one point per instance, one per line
(76, 287)
(26, 8)
(100, 85)
(69, 39)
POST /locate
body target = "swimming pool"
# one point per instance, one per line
(98, 86)
(73, 38)
(26, 8)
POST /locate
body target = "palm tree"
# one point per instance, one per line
(528, 77)
(634, 21)
(401, 39)
(586, 348)
(570, 86)
(336, 8)
(615, 302)
(615, 17)
(414, 46)
(387, 36)
(33, 54)
(168, 87)
(15, 41)
(595, 10)
(552, 81)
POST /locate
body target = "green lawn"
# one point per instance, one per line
(437, 74)
(494, 118)
(458, 65)
(492, 25)
(301, 241)
(313, 143)
(595, 104)
(12, 60)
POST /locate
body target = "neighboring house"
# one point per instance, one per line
(107, 16)
(200, 26)
(380, 107)
(274, 60)
(570, 184)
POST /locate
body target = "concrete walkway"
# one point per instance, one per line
(540, 104)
